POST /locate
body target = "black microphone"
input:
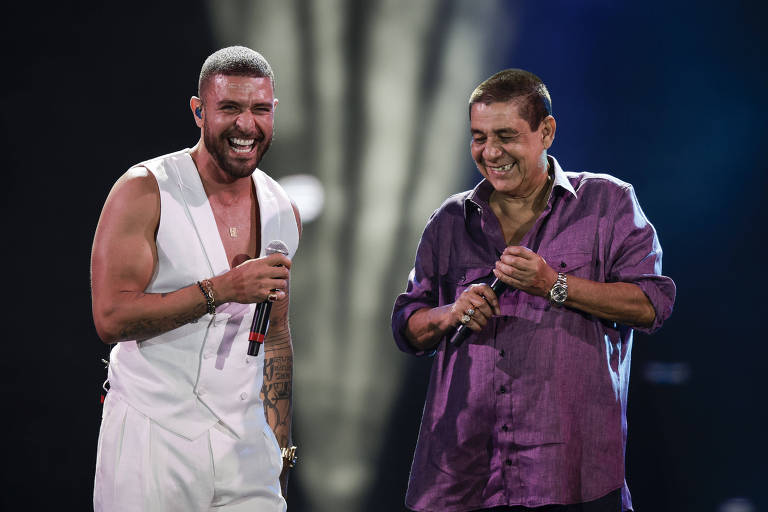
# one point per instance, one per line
(463, 332)
(260, 322)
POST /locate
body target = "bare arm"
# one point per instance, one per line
(624, 303)
(124, 257)
(278, 380)
(278, 374)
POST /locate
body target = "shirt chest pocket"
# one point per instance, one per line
(466, 277)
(579, 264)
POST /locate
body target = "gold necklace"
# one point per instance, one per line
(234, 231)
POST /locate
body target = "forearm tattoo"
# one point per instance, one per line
(145, 328)
(277, 388)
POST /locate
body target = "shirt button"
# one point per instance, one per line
(508, 462)
(243, 396)
(200, 392)
(562, 264)
(504, 428)
(207, 355)
(502, 390)
(502, 353)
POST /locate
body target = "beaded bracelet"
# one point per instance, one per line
(207, 288)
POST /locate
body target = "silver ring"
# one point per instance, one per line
(470, 311)
(465, 319)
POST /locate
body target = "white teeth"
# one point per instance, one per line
(242, 142)
(503, 167)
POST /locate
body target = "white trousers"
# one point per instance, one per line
(142, 467)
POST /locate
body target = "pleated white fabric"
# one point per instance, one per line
(142, 467)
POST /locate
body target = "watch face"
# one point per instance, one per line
(559, 293)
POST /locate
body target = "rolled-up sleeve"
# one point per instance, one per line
(635, 257)
(421, 291)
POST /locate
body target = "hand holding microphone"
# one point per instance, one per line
(260, 323)
(477, 304)
(523, 269)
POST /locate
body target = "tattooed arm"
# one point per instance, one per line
(123, 261)
(278, 379)
(278, 374)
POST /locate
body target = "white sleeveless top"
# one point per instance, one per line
(190, 378)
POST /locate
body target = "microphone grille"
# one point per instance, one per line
(276, 246)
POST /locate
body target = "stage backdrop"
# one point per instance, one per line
(668, 96)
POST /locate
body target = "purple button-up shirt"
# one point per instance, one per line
(531, 410)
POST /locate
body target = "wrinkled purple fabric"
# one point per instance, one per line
(532, 410)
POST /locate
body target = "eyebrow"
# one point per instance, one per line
(500, 131)
(226, 102)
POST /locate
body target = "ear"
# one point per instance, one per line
(549, 126)
(196, 105)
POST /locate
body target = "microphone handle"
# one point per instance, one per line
(463, 332)
(259, 327)
(260, 322)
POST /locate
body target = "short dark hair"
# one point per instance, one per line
(510, 84)
(234, 60)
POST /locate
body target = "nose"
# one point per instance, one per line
(246, 123)
(491, 151)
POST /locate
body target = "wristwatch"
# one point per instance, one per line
(289, 455)
(559, 292)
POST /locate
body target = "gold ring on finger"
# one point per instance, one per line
(465, 319)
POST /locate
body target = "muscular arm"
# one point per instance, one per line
(278, 374)
(278, 379)
(123, 261)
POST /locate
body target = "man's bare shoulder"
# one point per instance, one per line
(134, 198)
(137, 179)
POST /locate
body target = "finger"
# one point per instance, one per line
(274, 295)
(515, 262)
(479, 307)
(518, 250)
(515, 282)
(505, 277)
(277, 259)
(277, 284)
(277, 273)
(478, 322)
(485, 294)
(486, 310)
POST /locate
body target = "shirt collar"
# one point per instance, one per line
(480, 196)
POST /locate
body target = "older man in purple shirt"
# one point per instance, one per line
(531, 410)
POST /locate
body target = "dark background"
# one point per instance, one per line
(666, 95)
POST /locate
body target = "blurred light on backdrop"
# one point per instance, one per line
(373, 102)
(737, 505)
(670, 373)
(308, 194)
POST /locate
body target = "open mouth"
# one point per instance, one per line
(241, 145)
(501, 169)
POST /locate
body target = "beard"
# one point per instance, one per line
(220, 150)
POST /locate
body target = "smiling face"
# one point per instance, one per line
(511, 156)
(238, 122)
